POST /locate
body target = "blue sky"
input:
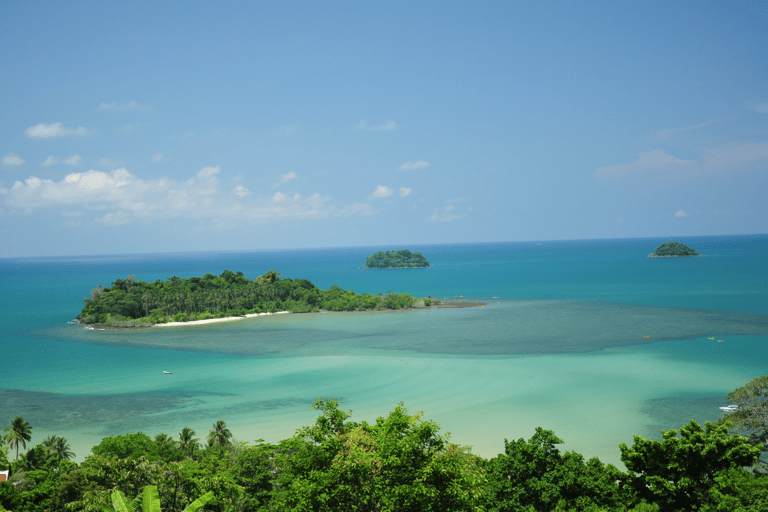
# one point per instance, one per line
(140, 127)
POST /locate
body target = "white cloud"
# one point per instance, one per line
(759, 107)
(208, 172)
(121, 197)
(241, 191)
(681, 213)
(116, 219)
(382, 191)
(285, 178)
(12, 159)
(667, 132)
(408, 166)
(651, 161)
(131, 105)
(156, 158)
(46, 131)
(405, 192)
(106, 162)
(388, 125)
(356, 209)
(448, 213)
(70, 160)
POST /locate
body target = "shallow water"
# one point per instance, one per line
(560, 344)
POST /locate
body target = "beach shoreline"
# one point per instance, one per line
(216, 320)
(101, 327)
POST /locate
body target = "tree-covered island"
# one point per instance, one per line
(134, 303)
(671, 250)
(396, 259)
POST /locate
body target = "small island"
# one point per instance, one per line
(396, 259)
(673, 250)
(131, 303)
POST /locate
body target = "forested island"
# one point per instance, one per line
(671, 250)
(399, 462)
(396, 259)
(135, 303)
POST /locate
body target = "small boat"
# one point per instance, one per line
(729, 408)
(711, 338)
(167, 373)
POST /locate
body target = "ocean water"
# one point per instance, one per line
(590, 339)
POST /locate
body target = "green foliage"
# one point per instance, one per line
(137, 445)
(150, 501)
(678, 472)
(219, 434)
(674, 249)
(4, 463)
(132, 303)
(751, 417)
(57, 447)
(399, 463)
(18, 433)
(535, 474)
(396, 259)
(737, 489)
(188, 443)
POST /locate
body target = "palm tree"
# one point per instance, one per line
(58, 447)
(219, 434)
(18, 433)
(187, 441)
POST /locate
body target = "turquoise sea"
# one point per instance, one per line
(591, 339)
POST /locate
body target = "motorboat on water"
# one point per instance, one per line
(729, 408)
(167, 372)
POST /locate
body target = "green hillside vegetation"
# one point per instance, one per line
(130, 302)
(399, 462)
(674, 249)
(396, 259)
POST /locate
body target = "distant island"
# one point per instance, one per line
(134, 303)
(672, 250)
(396, 259)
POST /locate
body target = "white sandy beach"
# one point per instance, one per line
(215, 320)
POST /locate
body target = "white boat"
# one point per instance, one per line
(167, 373)
(729, 408)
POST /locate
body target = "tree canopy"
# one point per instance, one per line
(399, 462)
(18, 433)
(674, 249)
(396, 259)
(679, 472)
(751, 415)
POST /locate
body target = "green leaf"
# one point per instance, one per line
(151, 499)
(199, 502)
(120, 502)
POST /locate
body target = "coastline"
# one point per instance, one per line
(654, 255)
(441, 305)
(215, 320)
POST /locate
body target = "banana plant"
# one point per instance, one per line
(149, 500)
